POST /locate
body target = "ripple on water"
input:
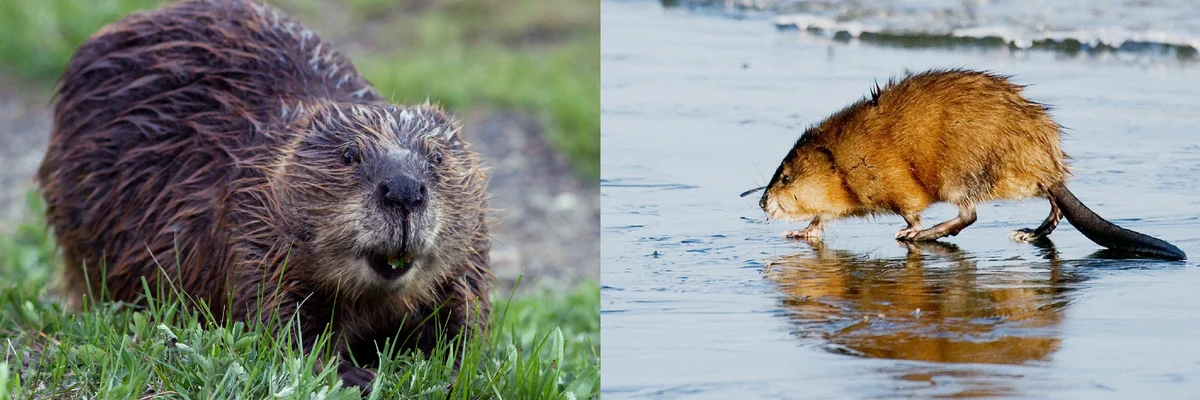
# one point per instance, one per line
(637, 183)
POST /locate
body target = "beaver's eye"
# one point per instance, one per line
(437, 157)
(350, 156)
(785, 179)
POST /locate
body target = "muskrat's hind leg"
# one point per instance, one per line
(966, 217)
(1043, 230)
(812, 232)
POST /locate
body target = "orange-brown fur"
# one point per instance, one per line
(960, 137)
(205, 146)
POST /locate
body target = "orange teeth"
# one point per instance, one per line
(396, 263)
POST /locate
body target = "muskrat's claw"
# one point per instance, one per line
(907, 234)
(803, 234)
(1024, 235)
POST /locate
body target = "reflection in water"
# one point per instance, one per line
(936, 304)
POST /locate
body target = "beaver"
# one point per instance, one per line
(956, 136)
(226, 151)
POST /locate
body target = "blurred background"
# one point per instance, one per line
(522, 75)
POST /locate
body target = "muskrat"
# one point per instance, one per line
(222, 149)
(955, 136)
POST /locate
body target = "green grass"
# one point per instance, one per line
(38, 37)
(541, 346)
(535, 56)
(506, 80)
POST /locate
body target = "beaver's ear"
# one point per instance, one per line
(324, 123)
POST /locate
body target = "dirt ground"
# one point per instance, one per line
(547, 219)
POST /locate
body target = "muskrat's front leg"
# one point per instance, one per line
(813, 232)
(966, 217)
(914, 226)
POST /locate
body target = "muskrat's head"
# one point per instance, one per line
(385, 197)
(807, 184)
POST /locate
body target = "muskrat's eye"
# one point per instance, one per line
(350, 156)
(437, 157)
(785, 179)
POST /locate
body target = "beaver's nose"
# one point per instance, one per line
(403, 191)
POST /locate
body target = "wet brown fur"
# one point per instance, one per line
(956, 136)
(197, 146)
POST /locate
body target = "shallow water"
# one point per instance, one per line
(702, 299)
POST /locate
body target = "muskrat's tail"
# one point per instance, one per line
(1106, 233)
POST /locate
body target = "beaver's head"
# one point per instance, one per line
(807, 184)
(385, 197)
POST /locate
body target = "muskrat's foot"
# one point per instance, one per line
(908, 234)
(810, 233)
(806, 234)
(931, 234)
(966, 217)
(921, 235)
(1025, 235)
(1043, 230)
(356, 377)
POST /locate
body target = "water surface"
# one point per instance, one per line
(702, 299)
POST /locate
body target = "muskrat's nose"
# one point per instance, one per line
(402, 191)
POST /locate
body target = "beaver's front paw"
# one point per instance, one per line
(356, 377)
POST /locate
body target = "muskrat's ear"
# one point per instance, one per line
(826, 152)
